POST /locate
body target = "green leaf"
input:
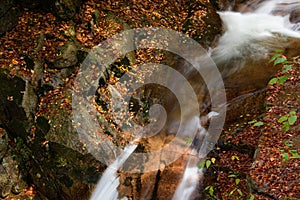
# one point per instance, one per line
(292, 120)
(279, 60)
(287, 143)
(285, 157)
(232, 191)
(252, 122)
(294, 153)
(286, 126)
(258, 123)
(240, 192)
(251, 197)
(208, 163)
(283, 118)
(189, 141)
(235, 157)
(211, 191)
(237, 181)
(282, 79)
(278, 51)
(202, 164)
(274, 57)
(292, 112)
(287, 68)
(232, 175)
(273, 80)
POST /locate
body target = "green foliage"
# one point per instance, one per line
(210, 189)
(286, 155)
(288, 143)
(252, 197)
(278, 58)
(189, 141)
(237, 182)
(288, 120)
(234, 158)
(256, 123)
(273, 81)
(287, 68)
(240, 192)
(207, 163)
(294, 153)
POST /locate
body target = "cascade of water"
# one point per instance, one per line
(251, 35)
(107, 186)
(247, 35)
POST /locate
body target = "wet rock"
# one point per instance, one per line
(295, 16)
(10, 180)
(209, 21)
(5, 184)
(221, 4)
(62, 173)
(5, 5)
(30, 101)
(9, 13)
(12, 115)
(28, 4)
(68, 56)
(11, 166)
(3, 142)
(66, 9)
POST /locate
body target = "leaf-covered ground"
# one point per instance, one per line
(260, 154)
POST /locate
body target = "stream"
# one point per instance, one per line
(249, 38)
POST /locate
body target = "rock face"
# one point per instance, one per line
(68, 57)
(295, 16)
(66, 9)
(12, 116)
(57, 171)
(10, 10)
(3, 142)
(54, 159)
(9, 13)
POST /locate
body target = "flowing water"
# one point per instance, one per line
(248, 36)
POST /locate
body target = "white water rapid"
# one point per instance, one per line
(107, 186)
(247, 35)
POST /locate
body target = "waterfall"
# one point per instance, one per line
(247, 35)
(254, 35)
(107, 186)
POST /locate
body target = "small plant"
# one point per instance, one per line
(234, 158)
(251, 197)
(237, 181)
(288, 120)
(210, 190)
(278, 58)
(286, 155)
(256, 123)
(207, 163)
